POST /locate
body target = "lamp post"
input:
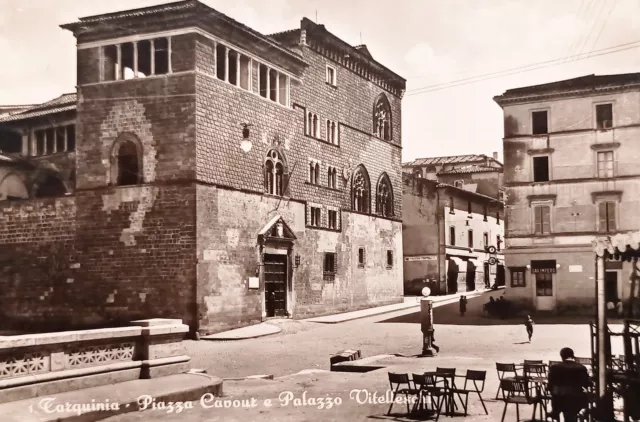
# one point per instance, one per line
(426, 323)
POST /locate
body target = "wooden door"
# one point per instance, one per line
(275, 284)
(611, 286)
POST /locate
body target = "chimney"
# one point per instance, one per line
(495, 156)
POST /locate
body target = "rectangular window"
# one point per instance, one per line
(221, 62)
(333, 219)
(485, 239)
(544, 284)
(539, 122)
(542, 219)
(389, 259)
(498, 242)
(136, 59)
(329, 267)
(452, 236)
(282, 86)
(315, 217)
(71, 138)
(470, 239)
(273, 85)
(451, 205)
(498, 217)
(604, 116)
(469, 207)
(458, 184)
(484, 212)
(40, 142)
(362, 258)
(50, 134)
(245, 73)
(331, 76)
(607, 216)
(517, 277)
(605, 164)
(60, 141)
(540, 169)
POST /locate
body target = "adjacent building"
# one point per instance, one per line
(452, 237)
(476, 173)
(203, 171)
(572, 174)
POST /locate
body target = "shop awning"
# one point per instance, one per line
(622, 246)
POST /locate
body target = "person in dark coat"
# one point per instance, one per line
(463, 305)
(567, 382)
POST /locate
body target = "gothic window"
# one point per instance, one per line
(382, 118)
(360, 190)
(384, 197)
(274, 168)
(126, 164)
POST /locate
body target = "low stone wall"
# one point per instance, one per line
(42, 364)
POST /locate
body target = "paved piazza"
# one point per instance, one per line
(470, 342)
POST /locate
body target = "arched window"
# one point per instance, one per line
(128, 165)
(49, 186)
(360, 190)
(382, 118)
(274, 169)
(384, 196)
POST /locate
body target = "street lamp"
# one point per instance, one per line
(245, 144)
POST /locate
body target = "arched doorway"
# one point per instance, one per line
(471, 276)
(452, 277)
(500, 275)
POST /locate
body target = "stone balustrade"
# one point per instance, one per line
(37, 364)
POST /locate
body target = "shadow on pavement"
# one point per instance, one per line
(450, 315)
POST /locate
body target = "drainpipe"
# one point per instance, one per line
(438, 225)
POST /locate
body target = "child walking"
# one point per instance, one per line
(529, 324)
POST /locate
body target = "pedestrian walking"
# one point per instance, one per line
(433, 341)
(529, 324)
(463, 305)
(567, 383)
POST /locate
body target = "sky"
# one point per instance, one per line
(442, 48)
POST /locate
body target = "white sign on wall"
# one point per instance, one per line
(421, 258)
(254, 283)
(575, 268)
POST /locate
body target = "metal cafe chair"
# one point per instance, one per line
(503, 370)
(450, 374)
(474, 378)
(516, 391)
(400, 384)
(426, 385)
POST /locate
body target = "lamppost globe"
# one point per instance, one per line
(246, 145)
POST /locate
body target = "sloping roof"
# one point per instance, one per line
(470, 169)
(583, 82)
(144, 11)
(363, 49)
(65, 102)
(490, 198)
(360, 52)
(453, 159)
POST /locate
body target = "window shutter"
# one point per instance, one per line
(602, 216)
(538, 219)
(335, 263)
(611, 216)
(546, 220)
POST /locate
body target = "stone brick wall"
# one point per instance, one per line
(36, 250)
(228, 255)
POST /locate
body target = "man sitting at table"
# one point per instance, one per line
(566, 382)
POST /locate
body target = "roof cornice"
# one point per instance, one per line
(502, 100)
